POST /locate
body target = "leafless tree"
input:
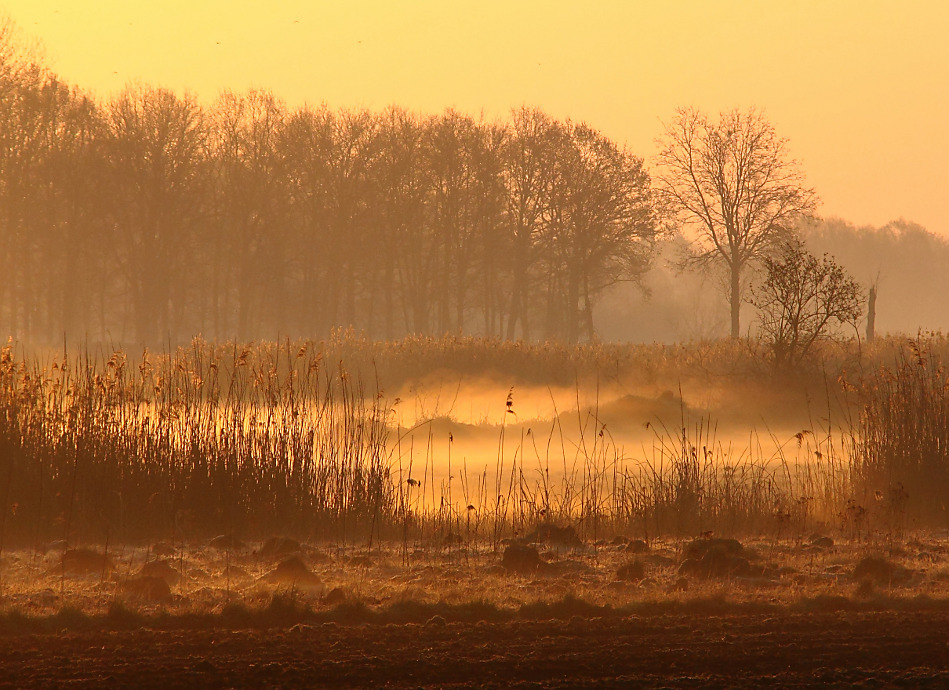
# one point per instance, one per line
(247, 242)
(529, 155)
(156, 153)
(801, 300)
(734, 180)
(601, 228)
(150, 217)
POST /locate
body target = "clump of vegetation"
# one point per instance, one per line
(716, 558)
(200, 441)
(880, 571)
(901, 455)
(252, 441)
(631, 571)
(520, 559)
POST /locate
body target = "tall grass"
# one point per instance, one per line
(283, 438)
(201, 441)
(685, 484)
(901, 458)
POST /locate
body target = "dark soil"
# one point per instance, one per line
(783, 649)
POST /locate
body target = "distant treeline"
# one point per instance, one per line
(151, 217)
(906, 263)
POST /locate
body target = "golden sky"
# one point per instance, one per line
(860, 87)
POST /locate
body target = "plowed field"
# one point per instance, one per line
(790, 649)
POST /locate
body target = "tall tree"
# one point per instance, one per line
(248, 249)
(21, 156)
(734, 180)
(452, 141)
(601, 229)
(305, 149)
(67, 221)
(492, 243)
(156, 153)
(529, 166)
(402, 244)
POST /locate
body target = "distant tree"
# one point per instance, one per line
(156, 154)
(404, 248)
(802, 300)
(47, 191)
(734, 181)
(305, 149)
(21, 158)
(329, 160)
(246, 247)
(66, 223)
(529, 155)
(601, 228)
(451, 141)
(492, 241)
(903, 260)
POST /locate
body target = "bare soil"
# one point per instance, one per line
(789, 649)
(703, 613)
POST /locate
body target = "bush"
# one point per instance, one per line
(902, 459)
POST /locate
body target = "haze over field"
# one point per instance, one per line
(858, 86)
(853, 88)
(561, 325)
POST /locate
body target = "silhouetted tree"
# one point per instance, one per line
(159, 191)
(734, 181)
(602, 225)
(21, 156)
(248, 250)
(403, 245)
(305, 149)
(492, 243)
(529, 167)
(801, 300)
(329, 160)
(149, 217)
(67, 214)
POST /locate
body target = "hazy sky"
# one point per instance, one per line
(860, 87)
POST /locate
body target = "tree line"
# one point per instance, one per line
(151, 217)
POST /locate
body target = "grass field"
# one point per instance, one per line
(459, 449)
(497, 504)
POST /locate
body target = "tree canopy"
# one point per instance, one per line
(734, 182)
(152, 218)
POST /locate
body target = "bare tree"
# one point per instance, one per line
(402, 239)
(529, 163)
(733, 180)
(156, 152)
(248, 241)
(601, 227)
(801, 300)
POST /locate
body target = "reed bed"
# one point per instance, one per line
(416, 358)
(901, 450)
(264, 439)
(201, 441)
(684, 485)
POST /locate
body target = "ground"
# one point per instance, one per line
(735, 650)
(765, 612)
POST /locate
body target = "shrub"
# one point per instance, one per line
(901, 461)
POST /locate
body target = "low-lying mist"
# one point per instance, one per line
(355, 438)
(452, 436)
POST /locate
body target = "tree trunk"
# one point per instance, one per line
(871, 313)
(518, 308)
(589, 330)
(735, 298)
